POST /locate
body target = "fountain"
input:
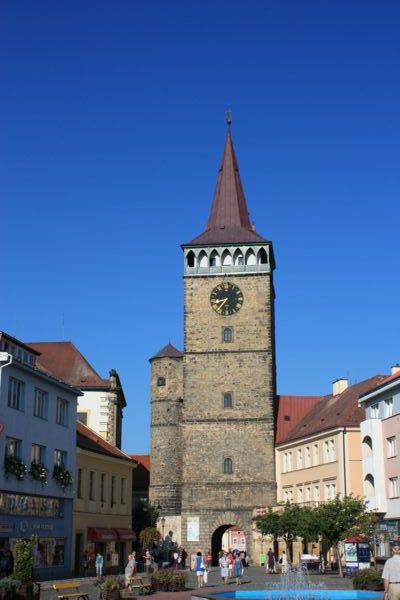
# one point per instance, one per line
(297, 584)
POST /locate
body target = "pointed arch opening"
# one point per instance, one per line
(367, 446)
(226, 258)
(262, 257)
(214, 259)
(203, 259)
(238, 258)
(190, 259)
(369, 485)
(250, 257)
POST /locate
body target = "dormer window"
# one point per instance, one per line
(160, 381)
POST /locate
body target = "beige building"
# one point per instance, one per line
(318, 450)
(102, 516)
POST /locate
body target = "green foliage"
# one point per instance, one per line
(23, 567)
(10, 583)
(109, 584)
(342, 517)
(15, 466)
(168, 580)
(145, 515)
(38, 472)
(368, 579)
(62, 476)
(149, 536)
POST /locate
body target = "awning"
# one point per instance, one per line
(126, 534)
(100, 534)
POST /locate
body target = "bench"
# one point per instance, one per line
(71, 589)
(137, 583)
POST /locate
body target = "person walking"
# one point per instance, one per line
(270, 566)
(237, 569)
(99, 564)
(129, 570)
(391, 573)
(283, 562)
(183, 558)
(85, 563)
(224, 565)
(200, 568)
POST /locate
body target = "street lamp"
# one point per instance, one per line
(162, 526)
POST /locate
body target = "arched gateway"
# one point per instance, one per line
(224, 522)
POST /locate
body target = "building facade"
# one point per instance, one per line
(102, 517)
(101, 404)
(380, 438)
(38, 454)
(212, 405)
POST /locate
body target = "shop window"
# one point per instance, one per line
(49, 552)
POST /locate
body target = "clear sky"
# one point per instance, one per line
(112, 129)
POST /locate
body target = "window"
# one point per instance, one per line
(16, 390)
(38, 454)
(62, 412)
(394, 490)
(388, 408)
(316, 493)
(227, 334)
(82, 417)
(330, 491)
(103, 487)
(299, 458)
(122, 490)
(13, 447)
(160, 381)
(332, 450)
(308, 493)
(300, 495)
(374, 411)
(288, 495)
(228, 400)
(228, 467)
(308, 456)
(60, 458)
(287, 462)
(79, 484)
(315, 454)
(40, 403)
(49, 552)
(391, 447)
(112, 490)
(91, 485)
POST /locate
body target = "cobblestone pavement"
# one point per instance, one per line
(254, 578)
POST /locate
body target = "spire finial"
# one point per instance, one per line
(228, 117)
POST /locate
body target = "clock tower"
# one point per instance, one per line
(225, 424)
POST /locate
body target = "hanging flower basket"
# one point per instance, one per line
(15, 466)
(62, 476)
(38, 472)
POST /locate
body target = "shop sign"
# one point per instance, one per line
(25, 526)
(6, 527)
(389, 526)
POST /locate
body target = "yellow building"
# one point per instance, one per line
(318, 448)
(102, 517)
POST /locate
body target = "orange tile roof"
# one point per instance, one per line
(291, 409)
(142, 459)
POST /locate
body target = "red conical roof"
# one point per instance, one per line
(169, 351)
(229, 220)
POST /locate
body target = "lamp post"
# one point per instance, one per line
(162, 534)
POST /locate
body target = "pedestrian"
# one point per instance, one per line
(99, 565)
(147, 562)
(200, 568)
(391, 573)
(270, 561)
(183, 558)
(237, 569)
(85, 563)
(230, 563)
(175, 557)
(129, 570)
(224, 565)
(283, 562)
(321, 563)
(209, 559)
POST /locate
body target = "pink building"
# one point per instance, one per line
(380, 438)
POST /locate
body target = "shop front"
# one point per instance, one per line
(114, 546)
(45, 519)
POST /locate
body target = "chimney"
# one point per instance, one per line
(339, 385)
(395, 368)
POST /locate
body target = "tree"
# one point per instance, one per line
(149, 536)
(146, 515)
(339, 518)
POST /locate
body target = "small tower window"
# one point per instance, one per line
(228, 400)
(228, 468)
(190, 259)
(240, 260)
(227, 334)
(161, 381)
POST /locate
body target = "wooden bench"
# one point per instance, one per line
(137, 583)
(71, 589)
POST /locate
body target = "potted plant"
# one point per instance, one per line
(8, 587)
(38, 472)
(15, 466)
(62, 476)
(110, 588)
(23, 570)
(368, 579)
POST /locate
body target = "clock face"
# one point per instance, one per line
(226, 299)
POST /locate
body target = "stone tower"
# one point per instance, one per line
(226, 411)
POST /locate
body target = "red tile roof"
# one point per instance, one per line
(64, 360)
(331, 412)
(169, 351)
(87, 439)
(142, 459)
(229, 219)
(385, 381)
(291, 409)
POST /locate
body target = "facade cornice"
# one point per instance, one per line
(316, 436)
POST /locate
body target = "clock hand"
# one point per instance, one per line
(222, 303)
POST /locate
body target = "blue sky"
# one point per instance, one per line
(112, 129)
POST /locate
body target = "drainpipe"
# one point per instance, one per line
(344, 460)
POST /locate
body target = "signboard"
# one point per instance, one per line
(350, 552)
(193, 529)
(389, 526)
(363, 552)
